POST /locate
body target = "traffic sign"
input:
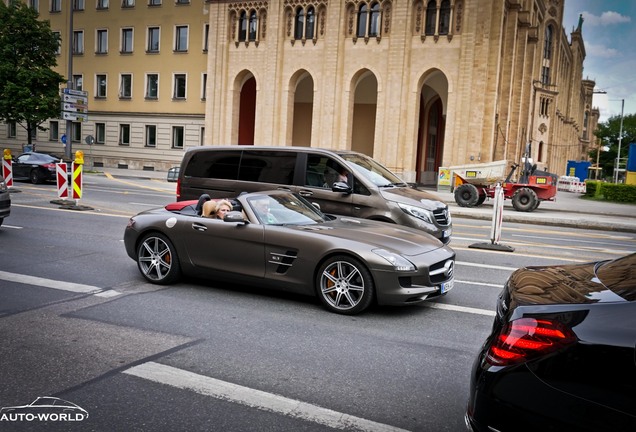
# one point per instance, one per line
(63, 139)
(80, 108)
(74, 116)
(76, 99)
(69, 91)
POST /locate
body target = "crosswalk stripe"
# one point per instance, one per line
(48, 283)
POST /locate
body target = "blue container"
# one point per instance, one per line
(631, 158)
(578, 169)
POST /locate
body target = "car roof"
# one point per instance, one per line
(296, 149)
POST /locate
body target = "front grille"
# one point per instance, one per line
(441, 216)
(441, 271)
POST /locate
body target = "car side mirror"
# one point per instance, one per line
(341, 187)
(235, 217)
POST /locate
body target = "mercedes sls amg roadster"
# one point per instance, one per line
(279, 240)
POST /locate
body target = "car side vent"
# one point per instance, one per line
(283, 261)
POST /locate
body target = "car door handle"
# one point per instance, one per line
(305, 193)
(199, 227)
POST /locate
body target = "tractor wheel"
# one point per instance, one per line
(467, 195)
(481, 200)
(524, 200)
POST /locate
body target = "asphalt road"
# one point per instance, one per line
(79, 323)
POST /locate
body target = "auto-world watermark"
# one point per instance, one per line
(44, 409)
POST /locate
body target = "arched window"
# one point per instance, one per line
(253, 25)
(444, 17)
(300, 22)
(362, 21)
(310, 23)
(431, 17)
(242, 34)
(374, 22)
(547, 45)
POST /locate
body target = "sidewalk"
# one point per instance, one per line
(569, 209)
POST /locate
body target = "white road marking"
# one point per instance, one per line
(108, 293)
(480, 283)
(12, 226)
(48, 283)
(488, 266)
(455, 308)
(253, 398)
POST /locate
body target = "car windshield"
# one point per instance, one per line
(372, 170)
(285, 209)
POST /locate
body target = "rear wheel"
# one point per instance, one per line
(344, 285)
(525, 200)
(35, 176)
(467, 195)
(481, 200)
(157, 259)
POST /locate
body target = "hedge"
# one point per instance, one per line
(611, 191)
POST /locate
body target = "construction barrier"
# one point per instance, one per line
(7, 168)
(77, 181)
(62, 179)
(571, 184)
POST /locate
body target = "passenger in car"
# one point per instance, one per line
(222, 208)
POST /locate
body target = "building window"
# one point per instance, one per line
(76, 132)
(35, 5)
(102, 4)
(78, 42)
(151, 136)
(431, 18)
(125, 86)
(54, 130)
(102, 42)
(300, 23)
(204, 83)
(78, 5)
(444, 17)
(56, 5)
(368, 20)
(124, 134)
(547, 45)
(183, 1)
(78, 82)
(253, 26)
(100, 86)
(179, 86)
(128, 3)
(154, 2)
(545, 75)
(177, 136)
(126, 41)
(11, 129)
(34, 134)
(206, 35)
(181, 39)
(59, 42)
(100, 133)
(152, 86)
(242, 23)
(153, 39)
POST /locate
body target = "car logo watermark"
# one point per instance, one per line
(44, 409)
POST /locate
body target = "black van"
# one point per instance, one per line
(341, 182)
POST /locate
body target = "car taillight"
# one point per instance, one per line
(49, 166)
(178, 189)
(527, 338)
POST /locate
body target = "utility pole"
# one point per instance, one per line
(69, 81)
(620, 140)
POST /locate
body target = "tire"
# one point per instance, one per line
(35, 176)
(536, 206)
(524, 200)
(1, 220)
(481, 200)
(344, 285)
(467, 195)
(157, 259)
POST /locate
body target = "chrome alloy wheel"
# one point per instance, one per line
(342, 285)
(155, 258)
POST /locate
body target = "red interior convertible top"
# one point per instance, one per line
(179, 205)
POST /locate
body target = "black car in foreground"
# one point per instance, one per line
(562, 352)
(35, 167)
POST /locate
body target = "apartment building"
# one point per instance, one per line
(419, 85)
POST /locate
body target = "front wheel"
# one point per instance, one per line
(525, 200)
(466, 195)
(35, 176)
(344, 285)
(157, 259)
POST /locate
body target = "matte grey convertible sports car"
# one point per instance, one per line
(278, 239)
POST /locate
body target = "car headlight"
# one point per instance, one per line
(3, 186)
(417, 212)
(397, 261)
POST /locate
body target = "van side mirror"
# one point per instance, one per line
(341, 187)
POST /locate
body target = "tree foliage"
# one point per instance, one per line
(29, 87)
(608, 133)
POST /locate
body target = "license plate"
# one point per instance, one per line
(447, 286)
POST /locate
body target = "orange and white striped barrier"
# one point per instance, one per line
(62, 180)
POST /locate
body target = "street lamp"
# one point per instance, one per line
(620, 139)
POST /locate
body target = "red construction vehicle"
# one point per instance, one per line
(527, 193)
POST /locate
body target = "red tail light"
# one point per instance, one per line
(49, 166)
(178, 189)
(527, 338)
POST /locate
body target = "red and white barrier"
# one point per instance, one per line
(571, 184)
(7, 172)
(62, 180)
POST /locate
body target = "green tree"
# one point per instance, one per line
(608, 133)
(29, 87)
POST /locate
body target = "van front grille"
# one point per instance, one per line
(441, 216)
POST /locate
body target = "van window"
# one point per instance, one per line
(214, 164)
(322, 171)
(268, 167)
(372, 170)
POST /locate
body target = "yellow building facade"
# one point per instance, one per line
(417, 84)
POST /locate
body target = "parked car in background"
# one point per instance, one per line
(35, 167)
(5, 200)
(278, 239)
(562, 352)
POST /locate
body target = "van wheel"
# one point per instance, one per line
(467, 195)
(344, 285)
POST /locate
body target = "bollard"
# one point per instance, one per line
(495, 227)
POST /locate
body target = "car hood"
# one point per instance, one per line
(416, 197)
(571, 284)
(406, 241)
